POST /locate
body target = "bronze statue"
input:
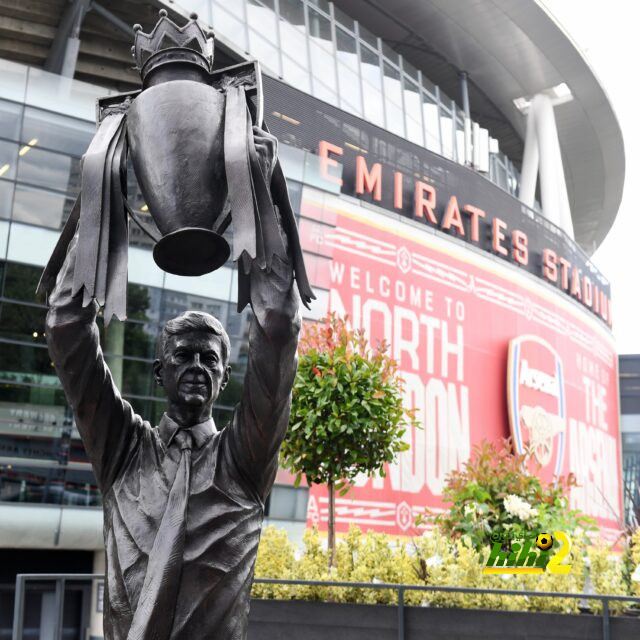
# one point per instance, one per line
(183, 502)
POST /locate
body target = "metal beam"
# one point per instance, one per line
(464, 90)
(63, 54)
(113, 19)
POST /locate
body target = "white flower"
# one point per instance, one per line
(469, 509)
(635, 576)
(516, 506)
(434, 561)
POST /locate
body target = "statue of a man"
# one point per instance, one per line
(183, 501)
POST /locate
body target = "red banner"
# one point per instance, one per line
(450, 315)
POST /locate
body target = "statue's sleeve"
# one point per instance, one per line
(107, 424)
(261, 418)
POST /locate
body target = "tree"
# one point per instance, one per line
(347, 413)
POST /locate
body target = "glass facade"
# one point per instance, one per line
(315, 47)
(629, 383)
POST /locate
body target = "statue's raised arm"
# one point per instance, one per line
(106, 422)
(261, 418)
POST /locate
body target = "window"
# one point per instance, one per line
(390, 54)
(10, 116)
(431, 123)
(265, 51)
(23, 322)
(262, 18)
(322, 92)
(20, 281)
(44, 208)
(292, 31)
(229, 26)
(292, 11)
(347, 50)
(371, 67)
(27, 363)
(321, 4)
(322, 65)
(6, 200)
(236, 8)
(320, 29)
(460, 145)
(343, 18)
(47, 169)
(8, 159)
(413, 115)
(410, 70)
(350, 94)
(57, 132)
(322, 57)
(296, 75)
(288, 503)
(393, 99)
(203, 9)
(446, 126)
(368, 37)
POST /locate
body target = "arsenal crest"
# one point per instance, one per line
(536, 399)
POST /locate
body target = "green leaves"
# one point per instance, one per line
(347, 414)
(477, 496)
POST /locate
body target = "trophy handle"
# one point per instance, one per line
(249, 76)
(118, 103)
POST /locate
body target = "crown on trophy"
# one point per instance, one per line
(169, 43)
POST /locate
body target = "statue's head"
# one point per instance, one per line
(192, 363)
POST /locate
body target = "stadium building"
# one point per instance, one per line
(453, 165)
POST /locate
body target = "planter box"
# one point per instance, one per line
(301, 620)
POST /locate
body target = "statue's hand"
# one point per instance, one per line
(267, 148)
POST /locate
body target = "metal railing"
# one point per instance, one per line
(60, 581)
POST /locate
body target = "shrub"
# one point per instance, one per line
(494, 492)
(605, 572)
(275, 560)
(634, 554)
(434, 559)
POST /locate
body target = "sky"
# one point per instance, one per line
(606, 33)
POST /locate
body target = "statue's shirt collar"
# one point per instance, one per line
(201, 432)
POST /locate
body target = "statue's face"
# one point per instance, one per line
(192, 370)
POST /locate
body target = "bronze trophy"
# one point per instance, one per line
(189, 134)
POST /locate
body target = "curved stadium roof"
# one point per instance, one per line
(513, 49)
(510, 48)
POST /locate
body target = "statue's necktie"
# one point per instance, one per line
(153, 619)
